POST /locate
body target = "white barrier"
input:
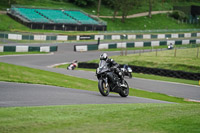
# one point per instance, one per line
(187, 34)
(147, 36)
(121, 45)
(99, 36)
(62, 38)
(15, 36)
(77, 38)
(185, 42)
(170, 42)
(45, 49)
(161, 36)
(81, 48)
(174, 36)
(21, 48)
(1, 48)
(198, 41)
(39, 37)
(103, 46)
(131, 36)
(155, 43)
(115, 37)
(139, 44)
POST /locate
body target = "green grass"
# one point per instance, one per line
(185, 60)
(21, 53)
(120, 118)
(135, 48)
(160, 21)
(13, 73)
(146, 76)
(8, 24)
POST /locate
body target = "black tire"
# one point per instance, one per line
(130, 75)
(102, 88)
(125, 90)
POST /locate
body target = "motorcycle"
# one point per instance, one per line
(127, 71)
(72, 65)
(108, 81)
(170, 47)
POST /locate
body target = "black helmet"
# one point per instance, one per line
(103, 56)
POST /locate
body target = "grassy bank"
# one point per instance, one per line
(13, 73)
(145, 76)
(181, 59)
(140, 118)
(160, 21)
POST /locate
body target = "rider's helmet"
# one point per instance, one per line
(75, 61)
(103, 56)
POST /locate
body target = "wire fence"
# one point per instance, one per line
(178, 51)
(151, 31)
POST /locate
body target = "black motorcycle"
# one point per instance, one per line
(109, 81)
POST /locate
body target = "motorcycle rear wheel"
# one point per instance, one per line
(103, 89)
(125, 90)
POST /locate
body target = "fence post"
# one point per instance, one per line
(175, 51)
(4, 37)
(156, 52)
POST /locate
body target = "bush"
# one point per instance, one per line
(179, 15)
(83, 2)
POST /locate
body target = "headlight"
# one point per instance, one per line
(129, 70)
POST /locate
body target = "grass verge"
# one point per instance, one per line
(176, 59)
(21, 53)
(13, 73)
(160, 21)
(146, 76)
(140, 118)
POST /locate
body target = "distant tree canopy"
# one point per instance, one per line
(123, 6)
(83, 2)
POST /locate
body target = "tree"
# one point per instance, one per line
(120, 5)
(126, 6)
(98, 10)
(10, 2)
(150, 8)
(116, 8)
(113, 4)
(83, 2)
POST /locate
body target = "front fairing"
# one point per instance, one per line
(103, 67)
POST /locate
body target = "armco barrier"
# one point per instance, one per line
(154, 71)
(23, 36)
(28, 48)
(134, 44)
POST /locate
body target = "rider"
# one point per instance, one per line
(113, 65)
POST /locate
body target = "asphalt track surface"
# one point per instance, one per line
(46, 95)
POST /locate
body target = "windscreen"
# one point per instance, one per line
(102, 63)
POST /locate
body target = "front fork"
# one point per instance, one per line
(106, 81)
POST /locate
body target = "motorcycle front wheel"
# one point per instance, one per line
(102, 88)
(130, 75)
(124, 90)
